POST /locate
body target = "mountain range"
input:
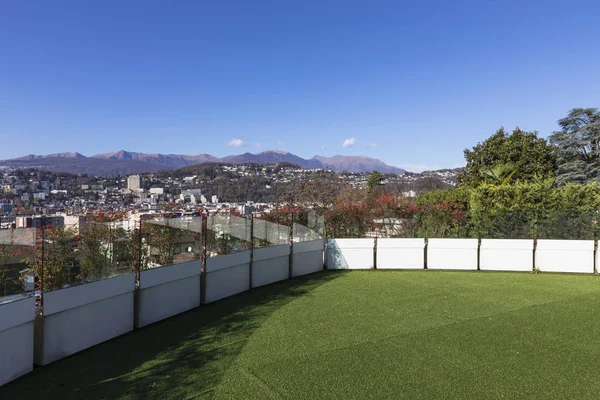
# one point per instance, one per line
(126, 162)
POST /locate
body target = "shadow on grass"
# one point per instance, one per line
(184, 356)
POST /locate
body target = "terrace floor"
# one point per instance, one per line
(359, 334)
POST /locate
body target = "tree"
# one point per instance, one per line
(578, 146)
(4, 261)
(9, 282)
(104, 250)
(94, 247)
(219, 244)
(163, 241)
(375, 179)
(532, 157)
(57, 257)
(500, 174)
(318, 193)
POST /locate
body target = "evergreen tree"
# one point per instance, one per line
(375, 179)
(578, 146)
(531, 157)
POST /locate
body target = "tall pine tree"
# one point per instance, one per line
(578, 146)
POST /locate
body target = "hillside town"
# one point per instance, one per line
(211, 188)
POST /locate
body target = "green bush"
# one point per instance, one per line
(516, 211)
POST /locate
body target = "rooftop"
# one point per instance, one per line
(360, 334)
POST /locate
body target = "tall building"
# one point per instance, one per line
(6, 208)
(134, 183)
(36, 221)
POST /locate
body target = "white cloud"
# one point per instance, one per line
(279, 142)
(369, 145)
(323, 147)
(257, 145)
(237, 143)
(349, 142)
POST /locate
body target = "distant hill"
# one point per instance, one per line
(171, 161)
(86, 165)
(127, 162)
(272, 157)
(55, 155)
(357, 164)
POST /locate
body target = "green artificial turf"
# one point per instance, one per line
(344, 335)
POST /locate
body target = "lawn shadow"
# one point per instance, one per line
(181, 357)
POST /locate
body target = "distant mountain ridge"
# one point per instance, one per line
(356, 164)
(85, 165)
(272, 157)
(172, 161)
(127, 162)
(55, 155)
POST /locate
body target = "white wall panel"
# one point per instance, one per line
(307, 257)
(452, 254)
(350, 253)
(270, 264)
(565, 256)
(77, 296)
(227, 275)
(75, 318)
(16, 338)
(227, 261)
(168, 291)
(169, 273)
(506, 255)
(400, 253)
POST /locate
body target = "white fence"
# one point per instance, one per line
(452, 254)
(570, 256)
(270, 264)
(167, 291)
(350, 253)
(16, 338)
(82, 316)
(400, 253)
(506, 255)
(307, 257)
(565, 256)
(227, 275)
(79, 317)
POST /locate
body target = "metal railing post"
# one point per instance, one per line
(291, 244)
(42, 264)
(139, 253)
(375, 253)
(138, 270)
(250, 283)
(204, 239)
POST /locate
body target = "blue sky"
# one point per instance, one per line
(411, 83)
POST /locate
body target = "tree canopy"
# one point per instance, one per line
(318, 193)
(527, 155)
(375, 179)
(578, 146)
